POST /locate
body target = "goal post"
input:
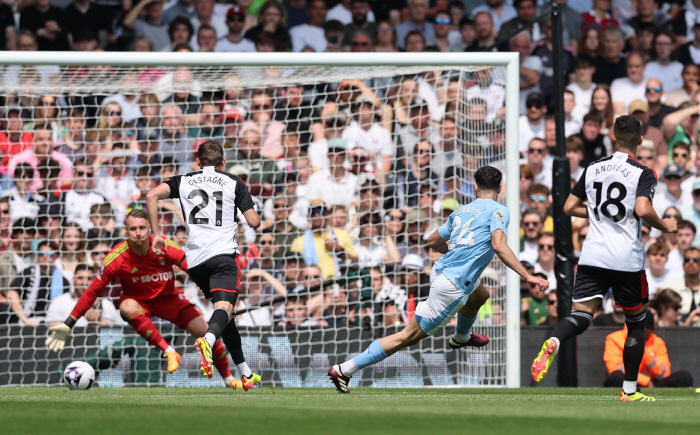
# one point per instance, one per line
(207, 73)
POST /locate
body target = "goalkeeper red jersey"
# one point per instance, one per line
(142, 278)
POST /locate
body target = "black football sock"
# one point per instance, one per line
(232, 339)
(633, 352)
(217, 323)
(572, 326)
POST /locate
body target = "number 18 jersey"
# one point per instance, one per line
(468, 232)
(612, 186)
(210, 199)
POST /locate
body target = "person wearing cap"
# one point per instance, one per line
(640, 109)
(335, 185)
(233, 41)
(672, 197)
(370, 135)
(321, 245)
(657, 108)
(13, 140)
(151, 25)
(531, 125)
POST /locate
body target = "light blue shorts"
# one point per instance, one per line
(443, 303)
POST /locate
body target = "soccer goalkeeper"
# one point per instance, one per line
(148, 289)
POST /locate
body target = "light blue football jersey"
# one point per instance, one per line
(468, 230)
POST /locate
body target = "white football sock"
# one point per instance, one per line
(462, 338)
(556, 340)
(169, 349)
(244, 370)
(348, 368)
(629, 387)
(228, 379)
(211, 338)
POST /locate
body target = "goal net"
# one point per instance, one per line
(352, 168)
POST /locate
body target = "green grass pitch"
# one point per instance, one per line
(281, 411)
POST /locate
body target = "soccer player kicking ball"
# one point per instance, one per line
(210, 199)
(619, 192)
(148, 289)
(469, 238)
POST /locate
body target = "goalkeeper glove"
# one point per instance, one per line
(57, 340)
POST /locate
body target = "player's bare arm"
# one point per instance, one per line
(575, 206)
(501, 248)
(152, 198)
(435, 241)
(646, 212)
(251, 216)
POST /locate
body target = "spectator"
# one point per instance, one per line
(533, 308)
(17, 257)
(117, 110)
(174, 143)
(321, 246)
(687, 286)
(13, 140)
(655, 368)
(540, 162)
(209, 125)
(646, 154)
(531, 125)
(657, 257)
(664, 66)
(334, 32)
(336, 312)
(343, 12)
(669, 306)
(413, 243)
(672, 197)
(385, 39)
(42, 152)
(690, 89)
(417, 12)
(272, 18)
(281, 228)
(574, 152)
(361, 42)
(23, 201)
(653, 137)
(77, 201)
(679, 242)
(590, 43)
(538, 197)
(484, 30)
(552, 315)
(205, 14)
(335, 185)
(467, 32)
(532, 225)
(372, 249)
(180, 31)
(254, 295)
(443, 31)
(616, 318)
(297, 12)
(582, 87)
(500, 13)
(103, 224)
(678, 126)
(526, 11)
(361, 10)
(530, 67)
(151, 25)
(595, 145)
(207, 38)
(296, 313)
(627, 89)
(610, 65)
(311, 34)
(84, 15)
(418, 173)
(116, 183)
(526, 177)
(45, 21)
(263, 170)
(420, 129)
(545, 259)
(234, 41)
(262, 117)
(371, 136)
(599, 17)
(32, 290)
(688, 53)
(543, 50)
(72, 142)
(656, 113)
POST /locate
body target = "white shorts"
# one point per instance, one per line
(444, 301)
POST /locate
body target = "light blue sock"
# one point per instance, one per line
(464, 324)
(373, 354)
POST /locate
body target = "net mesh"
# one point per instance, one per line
(81, 146)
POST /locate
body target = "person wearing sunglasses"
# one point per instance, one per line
(531, 223)
(444, 31)
(538, 197)
(234, 42)
(533, 307)
(687, 286)
(540, 161)
(531, 125)
(34, 287)
(546, 257)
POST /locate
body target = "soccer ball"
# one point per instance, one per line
(79, 375)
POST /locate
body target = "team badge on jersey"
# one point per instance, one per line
(500, 216)
(161, 262)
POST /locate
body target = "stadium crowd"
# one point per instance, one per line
(351, 177)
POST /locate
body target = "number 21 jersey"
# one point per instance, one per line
(612, 186)
(210, 199)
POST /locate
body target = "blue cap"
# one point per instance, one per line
(674, 171)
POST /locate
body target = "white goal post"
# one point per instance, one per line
(317, 68)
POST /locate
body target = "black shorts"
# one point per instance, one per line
(630, 289)
(219, 278)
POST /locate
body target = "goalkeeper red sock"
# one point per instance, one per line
(146, 329)
(220, 360)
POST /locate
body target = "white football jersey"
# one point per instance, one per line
(611, 186)
(210, 200)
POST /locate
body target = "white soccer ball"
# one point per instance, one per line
(79, 375)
